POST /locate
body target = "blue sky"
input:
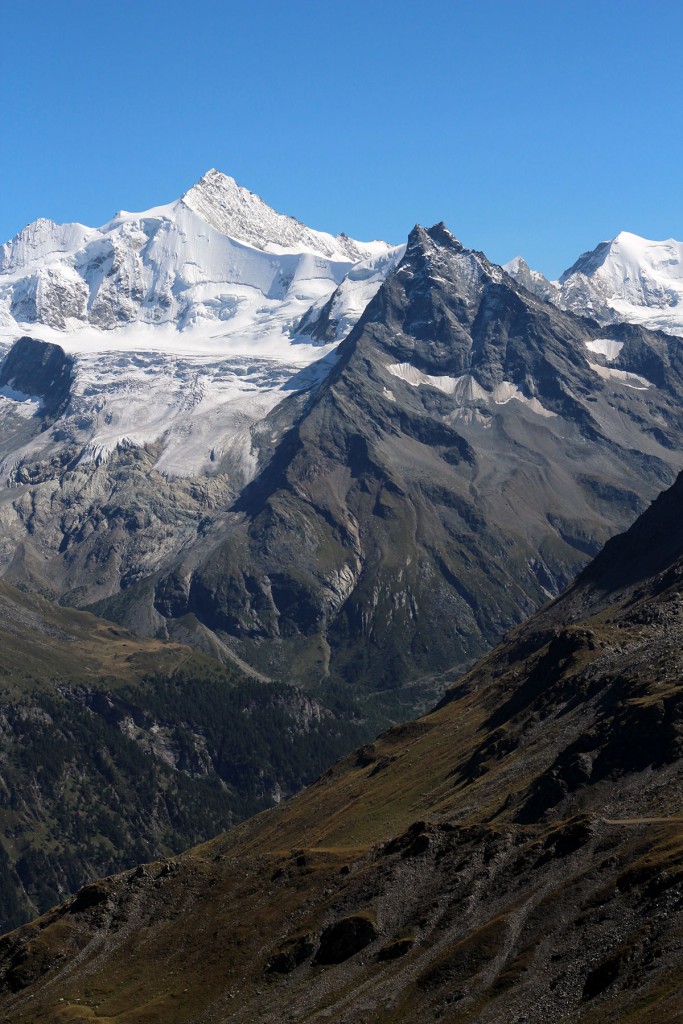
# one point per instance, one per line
(536, 127)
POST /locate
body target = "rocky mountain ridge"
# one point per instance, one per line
(379, 516)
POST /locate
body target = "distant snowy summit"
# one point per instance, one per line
(630, 279)
(218, 258)
(243, 215)
(220, 271)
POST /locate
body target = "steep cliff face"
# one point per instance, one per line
(40, 371)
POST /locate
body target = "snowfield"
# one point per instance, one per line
(466, 390)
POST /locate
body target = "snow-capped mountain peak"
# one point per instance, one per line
(183, 319)
(628, 278)
(219, 254)
(628, 256)
(241, 214)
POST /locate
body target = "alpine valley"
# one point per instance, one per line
(290, 478)
(517, 854)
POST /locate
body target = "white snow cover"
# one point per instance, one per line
(40, 241)
(466, 389)
(235, 211)
(632, 279)
(449, 385)
(183, 317)
(516, 266)
(202, 407)
(219, 254)
(12, 401)
(605, 347)
(629, 380)
(506, 391)
(360, 285)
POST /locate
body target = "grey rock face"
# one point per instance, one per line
(42, 370)
(532, 280)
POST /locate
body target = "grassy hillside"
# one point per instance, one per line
(40, 641)
(116, 749)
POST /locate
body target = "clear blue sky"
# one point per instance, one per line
(537, 127)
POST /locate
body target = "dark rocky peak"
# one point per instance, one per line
(434, 296)
(588, 262)
(435, 258)
(449, 311)
(441, 250)
(440, 234)
(421, 240)
(40, 369)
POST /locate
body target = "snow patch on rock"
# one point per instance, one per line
(629, 380)
(605, 347)
(466, 389)
(506, 392)
(19, 403)
(352, 296)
